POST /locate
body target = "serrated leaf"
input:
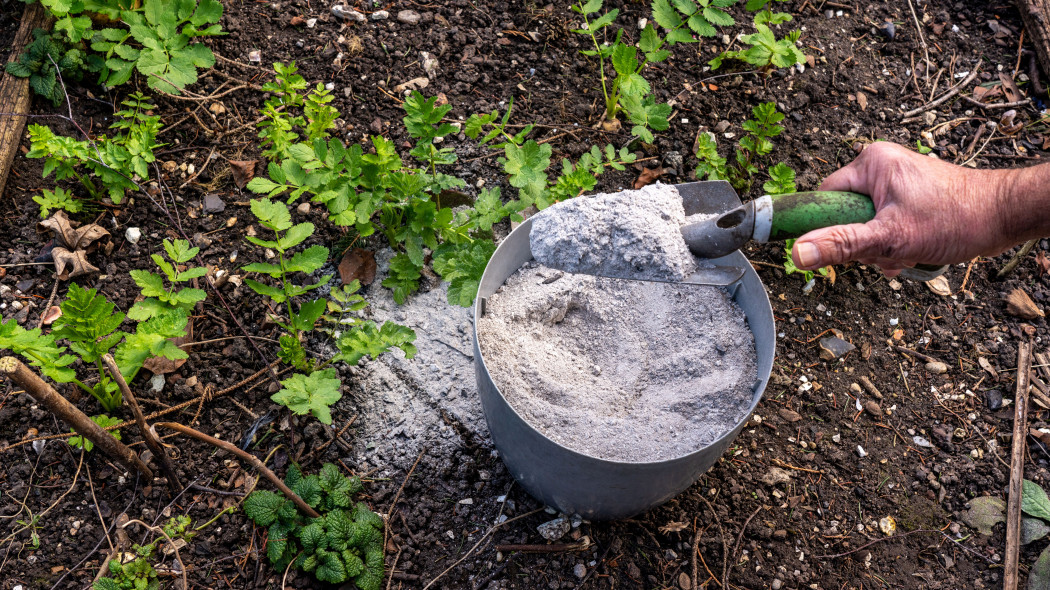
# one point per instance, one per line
(665, 15)
(262, 505)
(295, 236)
(308, 261)
(718, 17)
(312, 394)
(273, 215)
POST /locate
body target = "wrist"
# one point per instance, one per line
(1022, 203)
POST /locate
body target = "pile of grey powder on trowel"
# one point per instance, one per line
(617, 369)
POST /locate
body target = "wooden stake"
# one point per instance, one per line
(1036, 14)
(1013, 507)
(14, 92)
(46, 395)
(151, 441)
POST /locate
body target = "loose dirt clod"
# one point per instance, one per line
(621, 370)
(629, 234)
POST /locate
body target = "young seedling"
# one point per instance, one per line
(753, 145)
(276, 217)
(59, 199)
(160, 299)
(344, 544)
(89, 324)
(114, 161)
(139, 574)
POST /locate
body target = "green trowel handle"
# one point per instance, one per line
(795, 214)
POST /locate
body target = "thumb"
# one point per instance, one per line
(837, 245)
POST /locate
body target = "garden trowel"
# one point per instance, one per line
(724, 224)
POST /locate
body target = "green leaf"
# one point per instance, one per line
(1034, 501)
(273, 215)
(624, 59)
(367, 340)
(463, 266)
(701, 26)
(1039, 576)
(330, 568)
(527, 165)
(308, 315)
(591, 7)
(88, 322)
(295, 236)
(403, 278)
(308, 261)
(208, 11)
(665, 15)
(312, 394)
(262, 505)
(718, 17)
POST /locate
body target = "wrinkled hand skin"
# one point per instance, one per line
(928, 211)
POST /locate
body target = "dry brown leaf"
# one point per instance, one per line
(71, 264)
(1019, 304)
(648, 176)
(987, 366)
(358, 264)
(674, 527)
(789, 415)
(940, 286)
(451, 198)
(1043, 262)
(862, 100)
(72, 235)
(1013, 93)
(53, 313)
(898, 334)
(243, 171)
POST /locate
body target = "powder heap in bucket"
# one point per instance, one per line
(617, 369)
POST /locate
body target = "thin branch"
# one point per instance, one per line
(950, 93)
(252, 459)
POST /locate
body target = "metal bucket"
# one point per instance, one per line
(598, 489)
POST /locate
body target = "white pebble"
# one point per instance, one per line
(861, 452)
(133, 235)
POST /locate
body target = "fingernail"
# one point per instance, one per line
(808, 255)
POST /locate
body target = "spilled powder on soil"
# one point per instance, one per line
(621, 370)
(630, 234)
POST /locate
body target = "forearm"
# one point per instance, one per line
(1023, 202)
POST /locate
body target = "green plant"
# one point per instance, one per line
(753, 145)
(781, 180)
(922, 148)
(313, 394)
(345, 543)
(163, 32)
(527, 162)
(765, 51)
(628, 91)
(102, 420)
(139, 574)
(160, 299)
(114, 161)
(276, 217)
(89, 324)
(44, 60)
(370, 188)
(33, 525)
(60, 198)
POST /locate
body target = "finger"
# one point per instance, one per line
(847, 178)
(838, 244)
(891, 272)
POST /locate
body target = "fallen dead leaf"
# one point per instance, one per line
(1019, 304)
(1043, 262)
(862, 100)
(1013, 93)
(413, 84)
(243, 171)
(789, 415)
(451, 198)
(359, 264)
(674, 527)
(73, 236)
(898, 334)
(297, 20)
(53, 313)
(71, 264)
(939, 285)
(648, 176)
(987, 366)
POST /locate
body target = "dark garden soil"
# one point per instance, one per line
(795, 503)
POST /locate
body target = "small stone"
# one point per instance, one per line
(937, 367)
(553, 530)
(994, 399)
(895, 284)
(380, 15)
(311, 23)
(642, 22)
(303, 209)
(834, 348)
(684, 582)
(409, 17)
(255, 56)
(889, 29)
(789, 415)
(775, 476)
(213, 203)
(17, 305)
(780, 534)
(829, 13)
(133, 235)
(861, 452)
(580, 571)
(888, 525)
(467, 501)
(836, 438)
(721, 126)
(340, 11)
(873, 408)
(929, 118)
(777, 584)
(157, 383)
(921, 441)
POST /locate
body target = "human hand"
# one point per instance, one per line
(927, 211)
